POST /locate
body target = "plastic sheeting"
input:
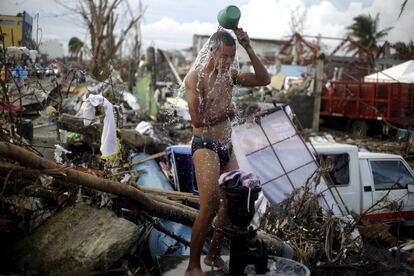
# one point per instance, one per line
(403, 72)
(272, 149)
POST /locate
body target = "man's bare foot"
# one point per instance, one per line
(215, 262)
(194, 272)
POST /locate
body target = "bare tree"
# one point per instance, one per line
(135, 48)
(297, 20)
(101, 18)
(296, 25)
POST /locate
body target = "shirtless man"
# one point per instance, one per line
(209, 94)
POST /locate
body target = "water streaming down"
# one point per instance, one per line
(201, 61)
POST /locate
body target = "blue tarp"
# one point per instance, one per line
(295, 70)
(159, 243)
(152, 176)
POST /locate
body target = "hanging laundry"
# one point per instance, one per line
(109, 144)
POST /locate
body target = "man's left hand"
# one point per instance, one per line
(242, 37)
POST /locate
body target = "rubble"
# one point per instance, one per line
(78, 239)
(314, 236)
(65, 209)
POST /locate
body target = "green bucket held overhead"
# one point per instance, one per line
(229, 17)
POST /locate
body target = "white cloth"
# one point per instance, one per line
(87, 112)
(145, 128)
(108, 138)
(59, 150)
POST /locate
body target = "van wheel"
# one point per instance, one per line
(359, 128)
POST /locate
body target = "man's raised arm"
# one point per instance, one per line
(260, 77)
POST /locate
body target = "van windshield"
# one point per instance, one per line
(390, 174)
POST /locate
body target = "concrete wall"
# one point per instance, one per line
(17, 30)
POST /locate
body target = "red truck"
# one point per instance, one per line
(368, 107)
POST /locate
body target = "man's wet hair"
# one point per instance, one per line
(220, 37)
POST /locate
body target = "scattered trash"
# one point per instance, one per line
(131, 100)
(145, 128)
(98, 167)
(109, 145)
(59, 151)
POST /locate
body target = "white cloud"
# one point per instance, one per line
(52, 47)
(169, 33)
(260, 18)
(389, 11)
(270, 19)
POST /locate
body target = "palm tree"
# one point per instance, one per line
(404, 51)
(75, 46)
(365, 30)
(403, 4)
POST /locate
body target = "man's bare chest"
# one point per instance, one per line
(219, 90)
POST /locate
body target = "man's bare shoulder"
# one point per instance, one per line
(191, 79)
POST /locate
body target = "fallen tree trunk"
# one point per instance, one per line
(145, 202)
(150, 204)
(20, 171)
(141, 142)
(93, 134)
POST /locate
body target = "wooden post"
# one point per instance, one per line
(171, 65)
(318, 91)
(151, 66)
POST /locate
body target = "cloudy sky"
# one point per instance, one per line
(171, 24)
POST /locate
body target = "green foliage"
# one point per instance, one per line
(75, 46)
(404, 51)
(365, 29)
(145, 95)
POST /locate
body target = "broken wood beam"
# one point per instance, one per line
(154, 156)
(275, 245)
(171, 65)
(93, 133)
(145, 202)
(170, 194)
(158, 225)
(150, 205)
(141, 142)
(71, 123)
(16, 171)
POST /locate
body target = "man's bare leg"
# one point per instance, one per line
(207, 169)
(213, 257)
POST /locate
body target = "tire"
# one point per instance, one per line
(359, 128)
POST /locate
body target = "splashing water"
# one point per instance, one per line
(200, 64)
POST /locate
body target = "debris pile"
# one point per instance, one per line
(53, 162)
(329, 244)
(70, 199)
(316, 236)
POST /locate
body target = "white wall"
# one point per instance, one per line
(53, 48)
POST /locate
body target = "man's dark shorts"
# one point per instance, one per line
(223, 148)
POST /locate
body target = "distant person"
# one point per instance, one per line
(18, 70)
(209, 93)
(82, 76)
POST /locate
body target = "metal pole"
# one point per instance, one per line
(318, 91)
